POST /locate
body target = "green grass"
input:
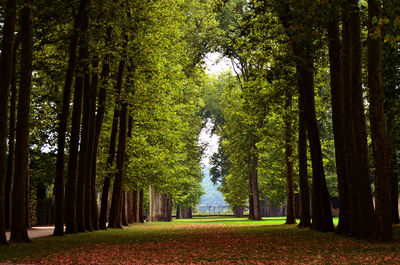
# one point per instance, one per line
(204, 240)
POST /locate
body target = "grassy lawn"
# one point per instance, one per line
(204, 241)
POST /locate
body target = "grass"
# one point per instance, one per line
(204, 241)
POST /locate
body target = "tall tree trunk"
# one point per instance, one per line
(83, 150)
(321, 210)
(11, 141)
(141, 210)
(178, 211)
(5, 70)
(254, 185)
(290, 211)
(251, 206)
(363, 224)
(79, 27)
(338, 119)
(124, 208)
(378, 129)
(303, 52)
(394, 190)
(130, 207)
(305, 217)
(92, 210)
(101, 107)
(111, 150)
(18, 228)
(115, 210)
(84, 155)
(136, 201)
(71, 218)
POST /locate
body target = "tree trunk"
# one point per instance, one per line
(184, 212)
(338, 119)
(254, 185)
(72, 216)
(124, 209)
(362, 224)
(303, 52)
(290, 212)
(141, 210)
(115, 210)
(178, 212)
(135, 199)
(378, 129)
(11, 141)
(161, 207)
(305, 218)
(238, 211)
(79, 27)
(92, 157)
(321, 210)
(85, 155)
(18, 228)
(83, 149)
(101, 107)
(5, 70)
(111, 150)
(130, 203)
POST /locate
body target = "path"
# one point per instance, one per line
(37, 232)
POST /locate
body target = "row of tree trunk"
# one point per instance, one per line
(160, 207)
(77, 208)
(358, 216)
(16, 175)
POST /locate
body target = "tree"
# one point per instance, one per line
(63, 118)
(18, 227)
(5, 69)
(378, 128)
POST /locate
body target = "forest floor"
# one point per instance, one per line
(204, 241)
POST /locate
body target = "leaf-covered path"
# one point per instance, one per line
(204, 241)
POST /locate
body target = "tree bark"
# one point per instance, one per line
(305, 217)
(141, 211)
(101, 108)
(303, 52)
(290, 211)
(111, 150)
(91, 211)
(361, 225)
(321, 211)
(71, 218)
(136, 201)
(85, 155)
(338, 119)
(18, 228)
(11, 141)
(83, 149)
(124, 209)
(130, 207)
(254, 185)
(79, 27)
(5, 70)
(115, 210)
(378, 129)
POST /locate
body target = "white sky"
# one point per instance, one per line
(211, 142)
(216, 64)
